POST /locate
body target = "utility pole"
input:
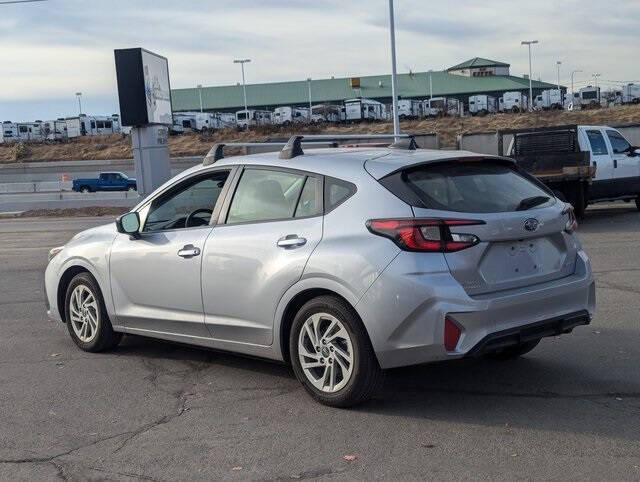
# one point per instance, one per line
(200, 95)
(558, 64)
(79, 95)
(572, 92)
(309, 85)
(529, 43)
(430, 86)
(394, 86)
(595, 76)
(244, 88)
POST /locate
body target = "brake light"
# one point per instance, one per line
(452, 334)
(427, 235)
(572, 222)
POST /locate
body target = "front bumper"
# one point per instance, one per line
(405, 308)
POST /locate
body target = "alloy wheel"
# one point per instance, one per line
(84, 314)
(325, 352)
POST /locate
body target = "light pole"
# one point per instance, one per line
(244, 88)
(309, 85)
(394, 87)
(430, 86)
(79, 95)
(529, 43)
(572, 93)
(200, 95)
(595, 76)
(558, 64)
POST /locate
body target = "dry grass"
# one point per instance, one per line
(119, 147)
(74, 212)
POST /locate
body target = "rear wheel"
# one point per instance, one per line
(131, 188)
(331, 353)
(514, 351)
(86, 316)
(85, 189)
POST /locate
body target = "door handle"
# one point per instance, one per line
(615, 163)
(291, 241)
(188, 251)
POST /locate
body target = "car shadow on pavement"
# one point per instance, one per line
(534, 393)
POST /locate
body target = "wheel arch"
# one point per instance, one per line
(73, 268)
(295, 299)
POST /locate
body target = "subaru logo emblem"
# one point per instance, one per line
(531, 224)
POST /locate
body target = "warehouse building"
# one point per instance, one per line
(475, 76)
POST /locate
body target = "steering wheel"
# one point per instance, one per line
(192, 217)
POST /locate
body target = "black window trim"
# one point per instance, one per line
(224, 211)
(146, 204)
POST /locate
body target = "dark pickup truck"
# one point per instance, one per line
(107, 181)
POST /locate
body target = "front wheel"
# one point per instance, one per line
(86, 316)
(131, 188)
(331, 353)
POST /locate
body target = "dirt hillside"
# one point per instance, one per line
(119, 147)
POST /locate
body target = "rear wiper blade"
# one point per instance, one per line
(530, 202)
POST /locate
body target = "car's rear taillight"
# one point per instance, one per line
(452, 334)
(429, 235)
(572, 222)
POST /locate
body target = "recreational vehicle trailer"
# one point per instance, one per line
(286, 115)
(513, 102)
(549, 100)
(85, 125)
(631, 94)
(54, 130)
(325, 113)
(589, 96)
(482, 104)
(225, 119)
(409, 109)
(252, 117)
(8, 132)
(363, 109)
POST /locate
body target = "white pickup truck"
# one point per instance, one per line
(583, 164)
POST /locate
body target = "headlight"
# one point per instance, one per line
(54, 251)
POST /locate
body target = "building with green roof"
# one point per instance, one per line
(459, 81)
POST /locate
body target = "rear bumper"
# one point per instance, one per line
(531, 332)
(405, 308)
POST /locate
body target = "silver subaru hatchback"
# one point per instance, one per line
(342, 262)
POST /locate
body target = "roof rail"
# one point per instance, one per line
(217, 151)
(293, 148)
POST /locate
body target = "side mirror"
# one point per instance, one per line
(129, 223)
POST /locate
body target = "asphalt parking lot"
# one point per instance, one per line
(157, 411)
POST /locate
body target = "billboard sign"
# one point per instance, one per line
(144, 90)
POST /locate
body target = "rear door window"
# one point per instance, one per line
(598, 146)
(469, 187)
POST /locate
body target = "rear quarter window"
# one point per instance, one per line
(336, 191)
(469, 187)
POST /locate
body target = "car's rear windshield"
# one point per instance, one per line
(471, 187)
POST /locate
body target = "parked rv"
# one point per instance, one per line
(29, 131)
(8, 132)
(440, 106)
(549, 100)
(321, 113)
(364, 109)
(54, 130)
(85, 125)
(572, 102)
(225, 119)
(631, 94)
(482, 104)
(409, 109)
(252, 117)
(285, 116)
(589, 96)
(513, 102)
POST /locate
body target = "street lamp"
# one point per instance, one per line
(595, 76)
(430, 86)
(394, 86)
(309, 85)
(572, 94)
(529, 43)
(558, 64)
(244, 88)
(79, 95)
(200, 95)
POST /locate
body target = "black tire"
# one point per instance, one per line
(514, 351)
(638, 203)
(366, 376)
(105, 338)
(132, 188)
(85, 189)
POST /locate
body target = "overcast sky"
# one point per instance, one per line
(49, 50)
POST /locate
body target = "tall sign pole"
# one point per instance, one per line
(394, 86)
